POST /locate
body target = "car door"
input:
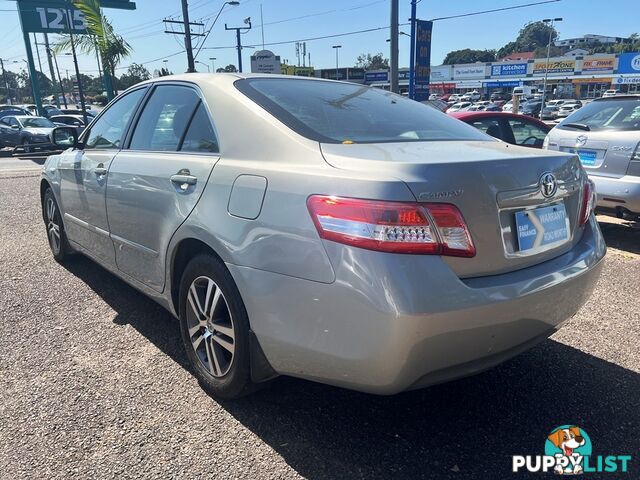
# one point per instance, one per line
(10, 137)
(83, 177)
(527, 133)
(157, 180)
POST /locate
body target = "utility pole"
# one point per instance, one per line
(77, 68)
(35, 41)
(50, 62)
(213, 63)
(547, 21)
(247, 21)
(191, 66)
(393, 81)
(6, 82)
(336, 48)
(412, 52)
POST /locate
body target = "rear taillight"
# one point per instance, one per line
(417, 228)
(588, 201)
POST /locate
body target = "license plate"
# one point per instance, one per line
(587, 157)
(542, 227)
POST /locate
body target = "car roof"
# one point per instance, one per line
(618, 98)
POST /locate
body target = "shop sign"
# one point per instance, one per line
(554, 67)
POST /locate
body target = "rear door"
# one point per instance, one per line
(10, 136)
(156, 182)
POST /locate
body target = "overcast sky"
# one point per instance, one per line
(291, 20)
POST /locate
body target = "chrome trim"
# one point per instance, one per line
(88, 226)
(137, 246)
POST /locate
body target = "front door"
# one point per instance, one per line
(83, 178)
(156, 182)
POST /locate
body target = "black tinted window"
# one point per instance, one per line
(107, 132)
(165, 118)
(200, 136)
(336, 112)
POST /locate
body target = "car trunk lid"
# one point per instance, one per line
(602, 153)
(488, 181)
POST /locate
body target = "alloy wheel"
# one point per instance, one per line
(53, 227)
(210, 325)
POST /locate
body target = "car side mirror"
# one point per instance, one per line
(15, 127)
(64, 137)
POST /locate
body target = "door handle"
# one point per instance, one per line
(184, 179)
(99, 171)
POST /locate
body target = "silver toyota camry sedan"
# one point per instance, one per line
(324, 230)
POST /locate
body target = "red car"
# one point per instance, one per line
(509, 127)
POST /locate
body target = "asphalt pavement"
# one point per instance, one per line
(94, 383)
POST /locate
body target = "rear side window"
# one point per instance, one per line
(200, 136)
(336, 112)
(108, 130)
(165, 118)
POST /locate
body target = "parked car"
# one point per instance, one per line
(567, 109)
(76, 121)
(28, 132)
(437, 104)
(471, 96)
(609, 93)
(459, 107)
(500, 96)
(508, 127)
(12, 110)
(51, 110)
(550, 112)
(605, 134)
(304, 251)
(493, 107)
(531, 108)
(78, 111)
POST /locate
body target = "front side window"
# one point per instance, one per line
(36, 122)
(336, 112)
(165, 118)
(108, 130)
(527, 133)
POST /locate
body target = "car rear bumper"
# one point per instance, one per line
(390, 323)
(618, 193)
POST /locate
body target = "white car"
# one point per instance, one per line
(567, 109)
(454, 98)
(609, 93)
(433, 96)
(471, 96)
(460, 107)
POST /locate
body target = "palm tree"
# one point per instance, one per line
(101, 39)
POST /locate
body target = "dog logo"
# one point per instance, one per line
(563, 443)
(567, 451)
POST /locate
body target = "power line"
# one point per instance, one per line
(495, 10)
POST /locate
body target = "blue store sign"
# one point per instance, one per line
(376, 77)
(629, 63)
(505, 84)
(509, 69)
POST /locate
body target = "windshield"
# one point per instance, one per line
(336, 112)
(36, 122)
(614, 114)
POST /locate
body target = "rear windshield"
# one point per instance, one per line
(614, 114)
(337, 112)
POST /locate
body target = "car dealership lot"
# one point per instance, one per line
(93, 383)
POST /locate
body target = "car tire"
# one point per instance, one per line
(215, 328)
(56, 234)
(26, 148)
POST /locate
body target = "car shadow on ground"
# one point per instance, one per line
(469, 428)
(621, 234)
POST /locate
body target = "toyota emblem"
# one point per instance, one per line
(581, 140)
(548, 185)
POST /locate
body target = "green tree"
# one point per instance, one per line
(136, 73)
(164, 72)
(534, 35)
(468, 55)
(228, 69)
(102, 38)
(372, 62)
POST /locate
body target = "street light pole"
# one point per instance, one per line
(205, 64)
(213, 63)
(336, 48)
(393, 63)
(546, 67)
(238, 39)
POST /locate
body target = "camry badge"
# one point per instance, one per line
(548, 185)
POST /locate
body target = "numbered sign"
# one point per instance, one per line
(51, 17)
